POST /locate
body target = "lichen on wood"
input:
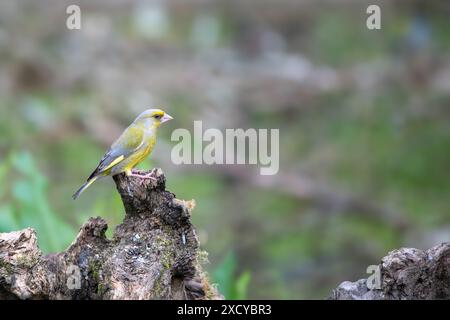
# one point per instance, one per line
(405, 274)
(153, 254)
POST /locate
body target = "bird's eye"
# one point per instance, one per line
(157, 116)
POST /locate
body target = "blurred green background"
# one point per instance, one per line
(363, 118)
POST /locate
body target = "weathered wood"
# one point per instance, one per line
(154, 254)
(406, 274)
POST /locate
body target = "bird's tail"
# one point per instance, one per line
(84, 187)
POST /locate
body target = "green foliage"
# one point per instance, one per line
(381, 133)
(231, 286)
(27, 204)
(337, 41)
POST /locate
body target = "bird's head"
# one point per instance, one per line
(152, 118)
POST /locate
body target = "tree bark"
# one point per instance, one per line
(405, 274)
(154, 254)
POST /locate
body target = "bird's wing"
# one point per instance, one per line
(129, 142)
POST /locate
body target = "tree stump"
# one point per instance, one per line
(154, 254)
(405, 274)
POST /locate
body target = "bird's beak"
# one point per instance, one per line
(166, 118)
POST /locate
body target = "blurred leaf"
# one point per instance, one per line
(31, 206)
(231, 287)
(23, 162)
(7, 219)
(5, 166)
(223, 275)
(241, 285)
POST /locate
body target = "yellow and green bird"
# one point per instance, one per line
(133, 146)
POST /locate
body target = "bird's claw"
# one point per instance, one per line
(143, 177)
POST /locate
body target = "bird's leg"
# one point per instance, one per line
(136, 173)
(145, 176)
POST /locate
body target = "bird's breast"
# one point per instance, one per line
(142, 153)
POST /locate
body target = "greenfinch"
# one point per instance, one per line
(133, 146)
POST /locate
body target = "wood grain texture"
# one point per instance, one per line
(153, 254)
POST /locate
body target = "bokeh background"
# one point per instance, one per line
(363, 118)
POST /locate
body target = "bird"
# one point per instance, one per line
(133, 146)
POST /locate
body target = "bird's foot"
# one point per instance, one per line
(143, 176)
(148, 176)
